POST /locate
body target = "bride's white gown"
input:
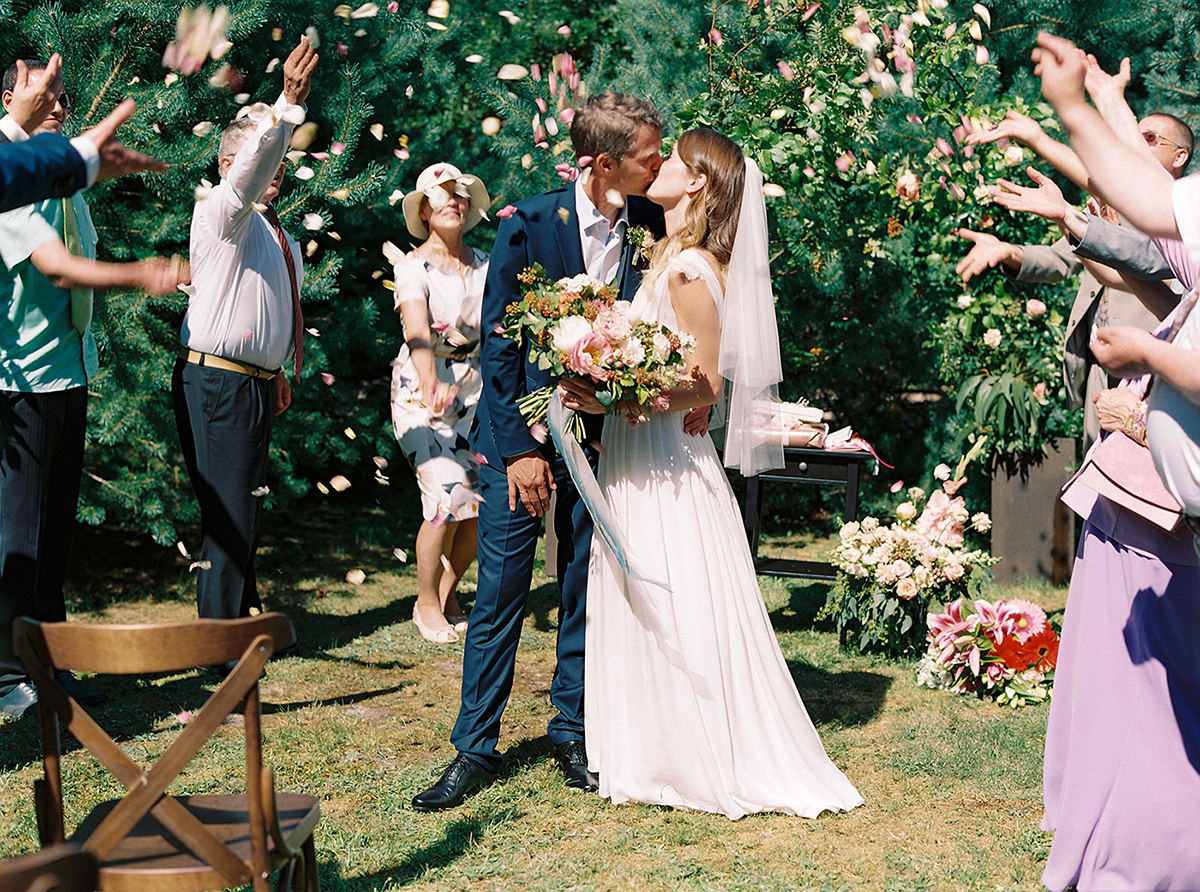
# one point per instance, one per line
(688, 700)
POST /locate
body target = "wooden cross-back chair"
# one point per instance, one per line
(149, 839)
(61, 868)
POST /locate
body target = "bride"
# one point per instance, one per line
(688, 701)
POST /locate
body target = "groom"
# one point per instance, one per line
(580, 228)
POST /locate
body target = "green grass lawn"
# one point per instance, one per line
(362, 715)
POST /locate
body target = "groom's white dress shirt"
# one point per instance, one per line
(241, 305)
(601, 243)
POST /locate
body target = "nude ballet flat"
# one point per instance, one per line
(444, 635)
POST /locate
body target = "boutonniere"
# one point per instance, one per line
(641, 241)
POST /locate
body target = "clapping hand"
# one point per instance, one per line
(34, 94)
(988, 253)
(117, 159)
(297, 72)
(1046, 200)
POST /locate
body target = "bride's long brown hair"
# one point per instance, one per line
(712, 217)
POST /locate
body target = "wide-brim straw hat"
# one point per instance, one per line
(433, 177)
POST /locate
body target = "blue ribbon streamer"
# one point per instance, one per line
(606, 524)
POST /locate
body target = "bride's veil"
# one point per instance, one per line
(749, 358)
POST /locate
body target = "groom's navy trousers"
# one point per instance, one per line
(543, 230)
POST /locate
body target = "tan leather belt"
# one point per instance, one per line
(229, 365)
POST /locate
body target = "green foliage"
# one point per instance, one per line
(869, 619)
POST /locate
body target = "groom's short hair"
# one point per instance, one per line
(608, 124)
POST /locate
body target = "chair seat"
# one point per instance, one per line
(150, 857)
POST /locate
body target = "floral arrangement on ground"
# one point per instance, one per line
(889, 573)
(1005, 650)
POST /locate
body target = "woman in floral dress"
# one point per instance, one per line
(436, 384)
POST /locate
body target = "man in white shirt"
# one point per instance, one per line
(242, 324)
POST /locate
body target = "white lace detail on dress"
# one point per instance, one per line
(691, 265)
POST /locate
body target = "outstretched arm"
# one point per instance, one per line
(1123, 177)
(156, 275)
(1028, 132)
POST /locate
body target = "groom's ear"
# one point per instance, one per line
(604, 164)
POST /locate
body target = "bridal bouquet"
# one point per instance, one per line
(576, 326)
(889, 573)
(1006, 650)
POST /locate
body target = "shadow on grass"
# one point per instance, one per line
(458, 839)
(800, 614)
(840, 698)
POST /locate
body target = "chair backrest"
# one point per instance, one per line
(65, 868)
(164, 647)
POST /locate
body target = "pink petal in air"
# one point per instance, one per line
(507, 211)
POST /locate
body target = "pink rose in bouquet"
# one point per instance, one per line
(614, 324)
(942, 520)
(589, 355)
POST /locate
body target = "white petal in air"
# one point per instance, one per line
(512, 72)
(306, 173)
(377, 131)
(261, 491)
(356, 577)
(203, 128)
(313, 222)
(340, 483)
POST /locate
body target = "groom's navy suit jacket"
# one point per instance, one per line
(544, 230)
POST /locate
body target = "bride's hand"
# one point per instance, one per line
(580, 394)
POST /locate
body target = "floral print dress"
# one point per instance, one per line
(436, 444)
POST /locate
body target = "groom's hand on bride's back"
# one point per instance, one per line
(530, 482)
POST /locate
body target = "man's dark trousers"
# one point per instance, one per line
(41, 462)
(224, 420)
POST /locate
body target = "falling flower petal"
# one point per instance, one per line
(982, 11)
(774, 190)
(507, 211)
(307, 173)
(402, 154)
(612, 196)
(314, 332)
(277, 34)
(339, 483)
(356, 577)
(170, 78)
(563, 215)
(182, 548)
(328, 379)
(319, 156)
(342, 11)
(377, 131)
(509, 16)
(366, 11)
(565, 30)
(715, 37)
(786, 71)
(203, 128)
(337, 148)
(396, 195)
(527, 161)
(512, 72)
(322, 488)
(394, 6)
(808, 14)
(261, 491)
(981, 55)
(314, 39)
(311, 248)
(199, 565)
(350, 434)
(401, 555)
(313, 222)
(303, 135)
(438, 9)
(490, 126)
(184, 717)
(538, 432)
(272, 65)
(474, 58)
(203, 189)
(437, 26)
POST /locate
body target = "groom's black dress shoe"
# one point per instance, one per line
(572, 757)
(462, 777)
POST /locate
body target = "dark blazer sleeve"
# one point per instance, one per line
(502, 360)
(1124, 249)
(45, 166)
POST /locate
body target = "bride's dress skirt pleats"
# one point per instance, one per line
(688, 700)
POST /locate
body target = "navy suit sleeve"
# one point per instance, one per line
(45, 166)
(502, 360)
